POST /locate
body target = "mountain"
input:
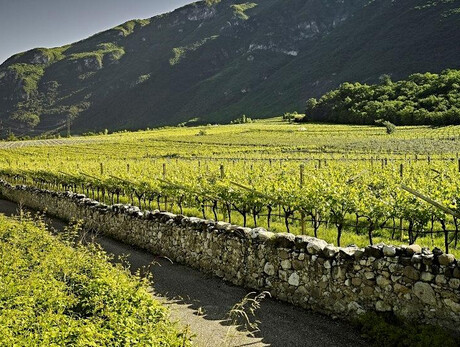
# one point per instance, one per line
(218, 61)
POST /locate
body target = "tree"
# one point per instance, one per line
(385, 80)
(390, 127)
(422, 99)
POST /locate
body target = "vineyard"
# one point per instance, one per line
(345, 184)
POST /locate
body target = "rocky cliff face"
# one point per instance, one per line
(217, 62)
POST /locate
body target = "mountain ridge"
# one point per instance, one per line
(217, 62)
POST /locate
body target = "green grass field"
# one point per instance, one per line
(341, 180)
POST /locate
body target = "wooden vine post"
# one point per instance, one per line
(401, 229)
(102, 168)
(222, 171)
(302, 214)
(164, 177)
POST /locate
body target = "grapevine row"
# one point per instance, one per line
(339, 196)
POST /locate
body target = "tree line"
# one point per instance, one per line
(421, 99)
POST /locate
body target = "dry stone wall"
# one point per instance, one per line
(414, 283)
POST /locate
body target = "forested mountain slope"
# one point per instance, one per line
(216, 62)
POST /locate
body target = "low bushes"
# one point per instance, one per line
(54, 292)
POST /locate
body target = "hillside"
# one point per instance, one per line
(217, 62)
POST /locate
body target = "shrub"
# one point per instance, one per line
(390, 127)
(242, 120)
(291, 117)
(55, 295)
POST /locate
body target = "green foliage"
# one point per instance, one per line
(104, 49)
(242, 120)
(181, 52)
(390, 127)
(240, 9)
(56, 295)
(292, 116)
(28, 119)
(142, 79)
(388, 331)
(212, 2)
(11, 137)
(54, 54)
(128, 28)
(429, 99)
(29, 76)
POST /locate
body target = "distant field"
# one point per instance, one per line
(251, 174)
(48, 142)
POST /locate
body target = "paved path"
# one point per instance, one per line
(203, 302)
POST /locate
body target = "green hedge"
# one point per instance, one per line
(55, 294)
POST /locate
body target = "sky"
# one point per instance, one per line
(27, 24)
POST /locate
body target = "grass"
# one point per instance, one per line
(103, 50)
(55, 54)
(57, 292)
(181, 52)
(128, 28)
(240, 9)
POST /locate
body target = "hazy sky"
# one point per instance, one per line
(27, 24)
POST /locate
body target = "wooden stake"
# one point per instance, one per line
(222, 171)
(430, 201)
(401, 229)
(302, 214)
